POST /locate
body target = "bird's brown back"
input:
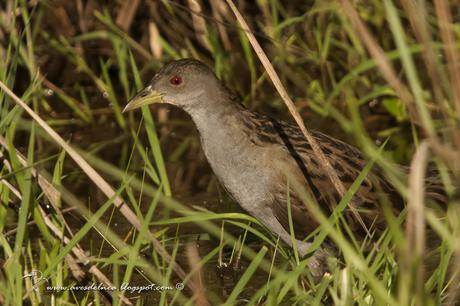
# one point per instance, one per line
(304, 165)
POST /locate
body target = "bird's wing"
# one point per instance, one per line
(302, 163)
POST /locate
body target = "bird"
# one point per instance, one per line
(251, 154)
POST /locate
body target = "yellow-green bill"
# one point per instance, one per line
(144, 97)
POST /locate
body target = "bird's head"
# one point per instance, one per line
(184, 83)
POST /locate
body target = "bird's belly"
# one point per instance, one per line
(240, 173)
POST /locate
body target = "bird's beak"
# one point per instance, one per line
(146, 96)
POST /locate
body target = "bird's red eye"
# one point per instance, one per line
(175, 80)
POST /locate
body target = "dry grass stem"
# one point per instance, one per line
(126, 14)
(415, 226)
(154, 41)
(199, 23)
(453, 60)
(199, 292)
(417, 15)
(219, 10)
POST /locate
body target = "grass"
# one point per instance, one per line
(90, 195)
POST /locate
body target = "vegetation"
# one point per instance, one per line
(91, 196)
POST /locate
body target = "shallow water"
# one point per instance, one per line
(217, 280)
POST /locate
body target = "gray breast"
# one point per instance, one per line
(236, 163)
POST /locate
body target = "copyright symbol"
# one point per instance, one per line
(179, 286)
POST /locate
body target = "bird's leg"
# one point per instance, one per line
(318, 261)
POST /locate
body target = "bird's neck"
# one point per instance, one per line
(221, 127)
(216, 113)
